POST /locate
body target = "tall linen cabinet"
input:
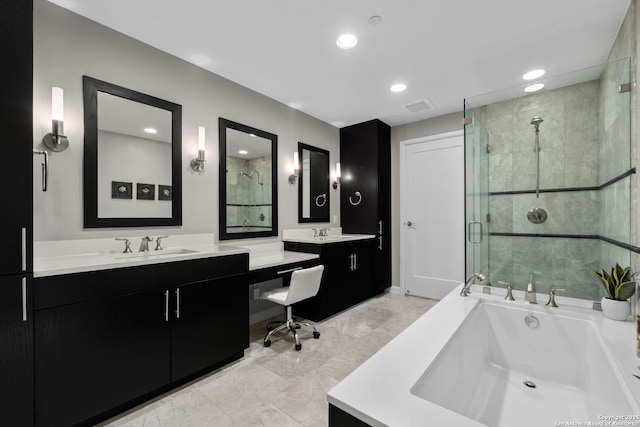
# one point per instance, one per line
(365, 190)
(16, 164)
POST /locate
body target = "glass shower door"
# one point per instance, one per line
(476, 143)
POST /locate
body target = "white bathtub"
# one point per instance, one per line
(481, 372)
(464, 363)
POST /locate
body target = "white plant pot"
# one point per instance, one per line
(615, 310)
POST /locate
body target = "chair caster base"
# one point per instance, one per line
(298, 347)
(316, 334)
(267, 343)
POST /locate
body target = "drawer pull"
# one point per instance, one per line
(166, 306)
(289, 270)
(24, 299)
(178, 303)
(24, 249)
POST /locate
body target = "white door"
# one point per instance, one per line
(432, 212)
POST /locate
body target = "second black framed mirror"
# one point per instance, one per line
(248, 181)
(313, 184)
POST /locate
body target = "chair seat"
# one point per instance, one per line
(277, 295)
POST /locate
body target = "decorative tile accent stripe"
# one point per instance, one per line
(627, 246)
(567, 189)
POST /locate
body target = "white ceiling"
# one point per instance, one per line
(443, 50)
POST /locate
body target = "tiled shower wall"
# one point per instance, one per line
(582, 141)
(248, 199)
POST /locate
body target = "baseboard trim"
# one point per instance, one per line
(396, 290)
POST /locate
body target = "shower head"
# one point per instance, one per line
(536, 121)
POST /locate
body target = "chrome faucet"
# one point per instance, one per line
(159, 242)
(323, 232)
(144, 245)
(467, 285)
(530, 295)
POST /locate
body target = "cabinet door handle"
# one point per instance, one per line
(166, 306)
(380, 227)
(177, 303)
(24, 249)
(351, 262)
(380, 243)
(24, 299)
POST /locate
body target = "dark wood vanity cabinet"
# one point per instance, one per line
(347, 278)
(210, 323)
(16, 215)
(365, 197)
(111, 339)
(16, 351)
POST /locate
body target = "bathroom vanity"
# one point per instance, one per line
(111, 338)
(114, 329)
(348, 275)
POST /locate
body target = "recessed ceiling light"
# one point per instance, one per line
(534, 88)
(253, 135)
(243, 152)
(347, 41)
(399, 87)
(150, 130)
(533, 74)
(375, 20)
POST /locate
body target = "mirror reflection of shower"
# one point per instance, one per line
(248, 193)
(536, 125)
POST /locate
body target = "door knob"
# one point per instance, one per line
(409, 224)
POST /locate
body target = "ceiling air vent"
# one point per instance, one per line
(422, 105)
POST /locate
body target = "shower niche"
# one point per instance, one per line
(548, 181)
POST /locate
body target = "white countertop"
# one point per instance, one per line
(273, 254)
(77, 256)
(334, 235)
(378, 392)
(77, 263)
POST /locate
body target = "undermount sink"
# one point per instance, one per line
(151, 253)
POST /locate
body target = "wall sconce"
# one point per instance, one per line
(338, 176)
(197, 164)
(56, 140)
(296, 168)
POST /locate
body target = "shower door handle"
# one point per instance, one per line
(469, 224)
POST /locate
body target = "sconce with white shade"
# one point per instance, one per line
(296, 168)
(56, 140)
(197, 164)
(338, 176)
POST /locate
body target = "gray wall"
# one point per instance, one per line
(67, 46)
(434, 126)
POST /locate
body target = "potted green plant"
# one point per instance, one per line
(620, 287)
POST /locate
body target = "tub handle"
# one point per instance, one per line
(552, 297)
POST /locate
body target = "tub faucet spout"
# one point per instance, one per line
(530, 295)
(467, 285)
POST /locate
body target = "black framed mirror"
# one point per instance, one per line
(313, 184)
(248, 181)
(132, 158)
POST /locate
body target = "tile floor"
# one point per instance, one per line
(278, 386)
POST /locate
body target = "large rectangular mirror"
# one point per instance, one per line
(132, 157)
(248, 181)
(313, 184)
